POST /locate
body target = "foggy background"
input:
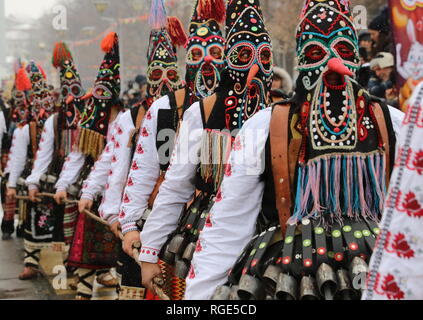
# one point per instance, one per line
(27, 31)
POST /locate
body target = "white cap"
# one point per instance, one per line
(382, 60)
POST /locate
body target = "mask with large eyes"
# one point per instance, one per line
(20, 111)
(326, 32)
(162, 78)
(42, 104)
(71, 94)
(162, 74)
(205, 57)
(249, 61)
(335, 108)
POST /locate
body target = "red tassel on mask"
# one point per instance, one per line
(212, 9)
(42, 71)
(109, 42)
(22, 80)
(61, 54)
(176, 31)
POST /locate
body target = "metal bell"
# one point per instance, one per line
(345, 289)
(51, 179)
(189, 251)
(326, 281)
(73, 191)
(286, 287)
(182, 269)
(308, 289)
(167, 256)
(21, 182)
(222, 293)
(358, 267)
(43, 178)
(233, 296)
(251, 288)
(177, 244)
(358, 273)
(271, 276)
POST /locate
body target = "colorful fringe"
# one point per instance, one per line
(91, 143)
(215, 151)
(336, 186)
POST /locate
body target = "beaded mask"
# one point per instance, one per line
(70, 83)
(249, 62)
(205, 48)
(105, 95)
(162, 74)
(20, 106)
(341, 171)
(41, 100)
(327, 50)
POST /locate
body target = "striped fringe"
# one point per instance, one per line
(91, 143)
(69, 222)
(215, 151)
(336, 186)
(9, 210)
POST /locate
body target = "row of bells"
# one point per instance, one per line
(327, 284)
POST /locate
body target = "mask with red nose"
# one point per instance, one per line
(328, 57)
(205, 48)
(247, 78)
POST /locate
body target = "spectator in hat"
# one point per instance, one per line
(365, 44)
(382, 84)
(381, 32)
(282, 84)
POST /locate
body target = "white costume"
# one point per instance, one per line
(177, 188)
(44, 155)
(396, 266)
(234, 216)
(110, 171)
(75, 162)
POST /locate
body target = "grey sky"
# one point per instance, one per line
(28, 8)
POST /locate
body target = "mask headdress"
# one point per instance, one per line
(70, 83)
(99, 103)
(21, 88)
(249, 60)
(41, 99)
(205, 48)
(341, 147)
(326, 40)
(163, 73)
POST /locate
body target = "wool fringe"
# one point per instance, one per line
(215, 151)
(336, 186)
(90, 143)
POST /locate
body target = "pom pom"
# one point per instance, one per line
(61, 54)
(176, 31)
(211, 9)
(109, 42)
(157, 18)
(22, 80)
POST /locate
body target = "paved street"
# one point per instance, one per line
(11, 256)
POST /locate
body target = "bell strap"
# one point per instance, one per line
(280, 163)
